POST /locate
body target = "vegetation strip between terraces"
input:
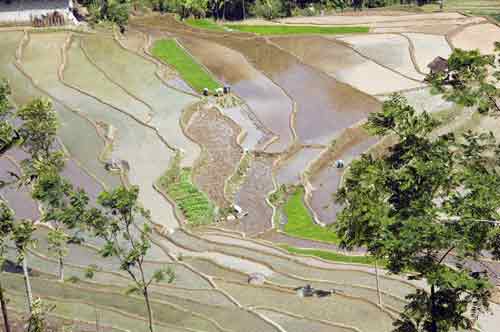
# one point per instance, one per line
(169, 51)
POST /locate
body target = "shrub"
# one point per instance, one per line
(268, 9)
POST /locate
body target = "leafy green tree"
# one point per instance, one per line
(117, 11)
(22, 236)
(39, 127)
(6, 227)
(117, 225)
(64, 209)
(471, 79)
(37, 321)
(8, 134)
(426, 199)
(268, 9)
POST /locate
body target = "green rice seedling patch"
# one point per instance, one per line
(332, 256)
(296, 30)
(169, 51)
(300, 222)
(206, 24)
(192, 202)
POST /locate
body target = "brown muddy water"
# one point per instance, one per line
(324, 105)
(327, 180)
(252, 198)
(266, 100)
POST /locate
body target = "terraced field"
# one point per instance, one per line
(296, 106)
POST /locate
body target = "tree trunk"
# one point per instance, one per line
(27, 284)
(378, 284)
(224, 12)
(243, 8)
(146, 298)
(433, 327)
(61, 269)
(150, 311)
(4, 310)
(441, 5)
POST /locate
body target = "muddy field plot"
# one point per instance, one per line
(252, 198)
(220, 152)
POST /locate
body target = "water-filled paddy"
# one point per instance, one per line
(138, 145)
(480, 36)
(19, 199)
(427, 48)
(269, 103)
(326, 181)
(343, 63)
(335, 309)
(291, 170)
(298, 324)
(138, 76)
(324, 106)
(392, 51)
(255, 135)
(343, 274)
(252, 198)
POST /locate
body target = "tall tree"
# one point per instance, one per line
(423, 201)
(8, 134)
(118, 226)
(39, 128)
(63, 208)
(22, 236)
(6, 227)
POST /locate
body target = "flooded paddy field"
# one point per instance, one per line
(345, 64)
(267, 100)
(337, 309)
(300, 104)
(391, 51)
(19, 199)
(138, 77)
(427, 47)
(252, 198)
(140, 146)
(323, 105)
(479, 36)
(326, 181)
(291, 170)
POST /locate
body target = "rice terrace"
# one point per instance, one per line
(250, 166)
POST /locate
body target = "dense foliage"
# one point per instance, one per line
(117, 11)
(429, 205)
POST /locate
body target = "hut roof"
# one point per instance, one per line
(438, 65)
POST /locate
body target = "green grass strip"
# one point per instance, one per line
(197, 77)
(332, 256)
(300, 222)
(295, 30)
(204, 24)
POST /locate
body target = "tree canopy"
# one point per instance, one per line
(426, 199)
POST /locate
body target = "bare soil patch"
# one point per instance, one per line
(220, 155)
